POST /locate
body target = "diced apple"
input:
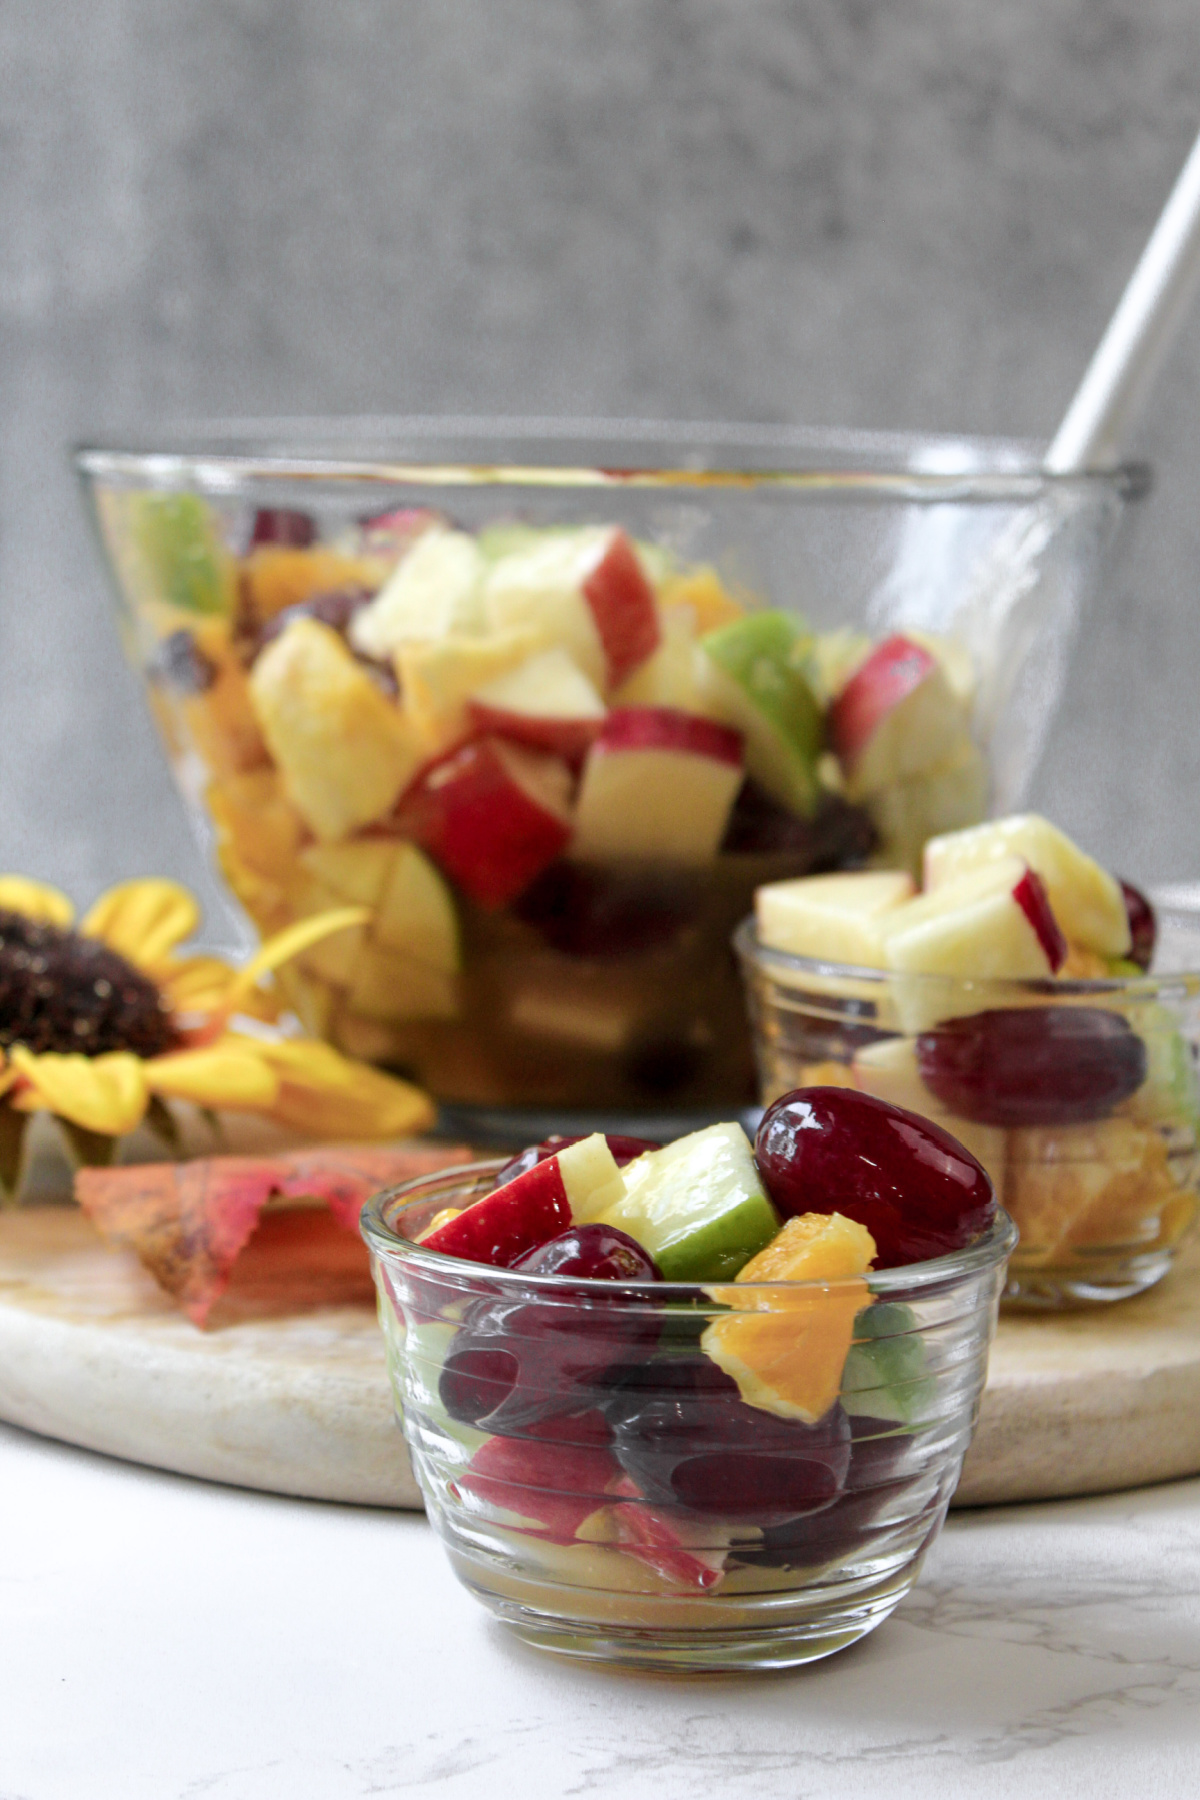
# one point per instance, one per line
(547, 703)
(908, 813)
(752, 678)
(888, 1070)
(388, 986)
(492, 815)
(510, 1221)
(438, 679)
(834, 657)
(415, 912)
(836, 918)
(658, 785)
(344, 752)
(896, 717)
(1087, 900)
(671, 677)
(590, 1176)
(993, 923)
(697, 1205)
(435, 591)
(689, 1553)
(356, 872)
(583, 591)
(554, 1487)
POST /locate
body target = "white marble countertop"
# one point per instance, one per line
(162, 1639)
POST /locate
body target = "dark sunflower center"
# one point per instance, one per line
(61, 991)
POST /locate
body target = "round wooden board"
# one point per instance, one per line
(93, 1353)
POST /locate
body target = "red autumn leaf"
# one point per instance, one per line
(189, 1222)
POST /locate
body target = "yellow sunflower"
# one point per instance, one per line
(104, 1022)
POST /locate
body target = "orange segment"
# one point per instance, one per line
(786, 1347)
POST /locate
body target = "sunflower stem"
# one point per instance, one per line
(165, 1126)
(13, 1127)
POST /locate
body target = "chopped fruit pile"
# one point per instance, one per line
(553, 764)
(1070, 1097)
(694, 1430)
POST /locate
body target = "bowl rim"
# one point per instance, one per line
(987, 1252)
(1170, 984)
(216, 456)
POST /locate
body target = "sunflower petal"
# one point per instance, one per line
(204, 984)
(36, 900)
(329, 1095)
(107, 1094)
(230, 1073)
(143, 920)
(291, 942)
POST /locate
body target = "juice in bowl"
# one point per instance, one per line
(700, 1406)
(1030, 1003)
(552, 711)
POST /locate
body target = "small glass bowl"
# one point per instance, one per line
(517, 1392)
(1102, 1202)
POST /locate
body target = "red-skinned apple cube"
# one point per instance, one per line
(553, 1477)
(685, 1551)
(492, 815)
(546, 703)
(623, 606)
(896, 717)
(658, 785)
(509, 1222)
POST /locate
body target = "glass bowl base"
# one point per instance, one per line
(1084, 1282)
(759, 1631)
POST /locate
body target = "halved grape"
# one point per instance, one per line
(1033, 1065)
(685, 1436)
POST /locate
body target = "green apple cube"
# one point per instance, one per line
(754, 681)
(697, 1206)
(184, 560)
(886, 1374)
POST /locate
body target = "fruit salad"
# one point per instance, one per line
(700, 1369)
(1011, 1005)
(553, 763)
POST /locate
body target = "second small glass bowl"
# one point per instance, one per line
(1095, 1157)
(599, 1484)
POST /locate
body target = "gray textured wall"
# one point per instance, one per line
(868, 212)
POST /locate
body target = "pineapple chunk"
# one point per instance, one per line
(388, 986)
(343, 750)
(356, 872)
(702, 591)
(1078, 1187)
(253, 817)
(438, 679)
(416, 915)
(433, 594)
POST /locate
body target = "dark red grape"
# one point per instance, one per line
(283, 525)
(593, 912)
(916, 1189)
(1143, 926)
(335, 609)
(875, 1481)
(685, 1436)
(1033, 1065)
(596, 1252)
(514, 1362)
(181, 665)
(840, 836)
(624, 1150)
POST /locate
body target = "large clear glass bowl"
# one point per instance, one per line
(1095, 1152)
(606, 989)
(599, 1484)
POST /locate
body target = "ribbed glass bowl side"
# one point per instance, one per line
(622, 1502)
